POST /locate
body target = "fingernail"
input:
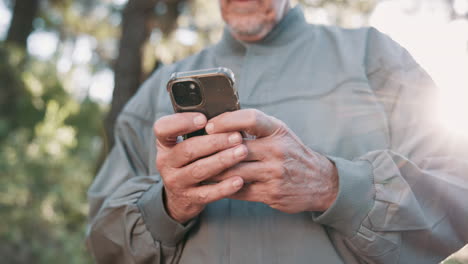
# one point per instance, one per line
(199, 120)
(237, 183)
(209, 128)
(235, 138)
(240, 151)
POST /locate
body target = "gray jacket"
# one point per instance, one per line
(353, 95)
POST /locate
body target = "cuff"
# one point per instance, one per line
(161, 226)
(355, 197)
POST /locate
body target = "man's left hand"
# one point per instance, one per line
(279, 170)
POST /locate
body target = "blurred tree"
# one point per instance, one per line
(44, 172)
(49, 140)
(128, 74)
(13, 95)
(139, 18)
(24, 13)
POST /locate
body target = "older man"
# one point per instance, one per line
(347, 165)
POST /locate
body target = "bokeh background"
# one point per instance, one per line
(68, 67)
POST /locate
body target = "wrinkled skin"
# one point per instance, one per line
(276, 168)
(183, 166)
(281, 171)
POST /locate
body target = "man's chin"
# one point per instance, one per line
(248, 35)
(249, 31)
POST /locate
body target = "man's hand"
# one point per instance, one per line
(184, 165)
(282, 172)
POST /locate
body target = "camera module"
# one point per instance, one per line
(187, 93)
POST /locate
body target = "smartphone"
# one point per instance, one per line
(209, 91)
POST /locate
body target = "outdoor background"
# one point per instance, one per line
(67, 68)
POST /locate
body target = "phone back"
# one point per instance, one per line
(217, 91)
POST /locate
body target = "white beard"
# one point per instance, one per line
(249, 26)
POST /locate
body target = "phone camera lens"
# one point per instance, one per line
(187, 93)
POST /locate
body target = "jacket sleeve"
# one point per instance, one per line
(407, 203)
(127, 220)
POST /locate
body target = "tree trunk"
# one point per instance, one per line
(136, 28)
(137, 22)
(12, 91)
(24, 13)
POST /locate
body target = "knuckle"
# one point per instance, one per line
(276, 195)
(187, 152)
(277, 150)
(252, 117)
(201, 197)
(185, 196)
(196, 171)
(268, 172)
(226, 158)
(267, 200)
(275, 192)
(280, 170)
(185, 199)
(158, 128)
(223, 191)
(169, 182)
(218, 142)
(223, 159)
(275, 171)
(277, 201)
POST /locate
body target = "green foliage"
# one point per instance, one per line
(14, 97)
(50, 138)
(48, 148)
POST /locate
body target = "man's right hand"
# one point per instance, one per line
(184, 165)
